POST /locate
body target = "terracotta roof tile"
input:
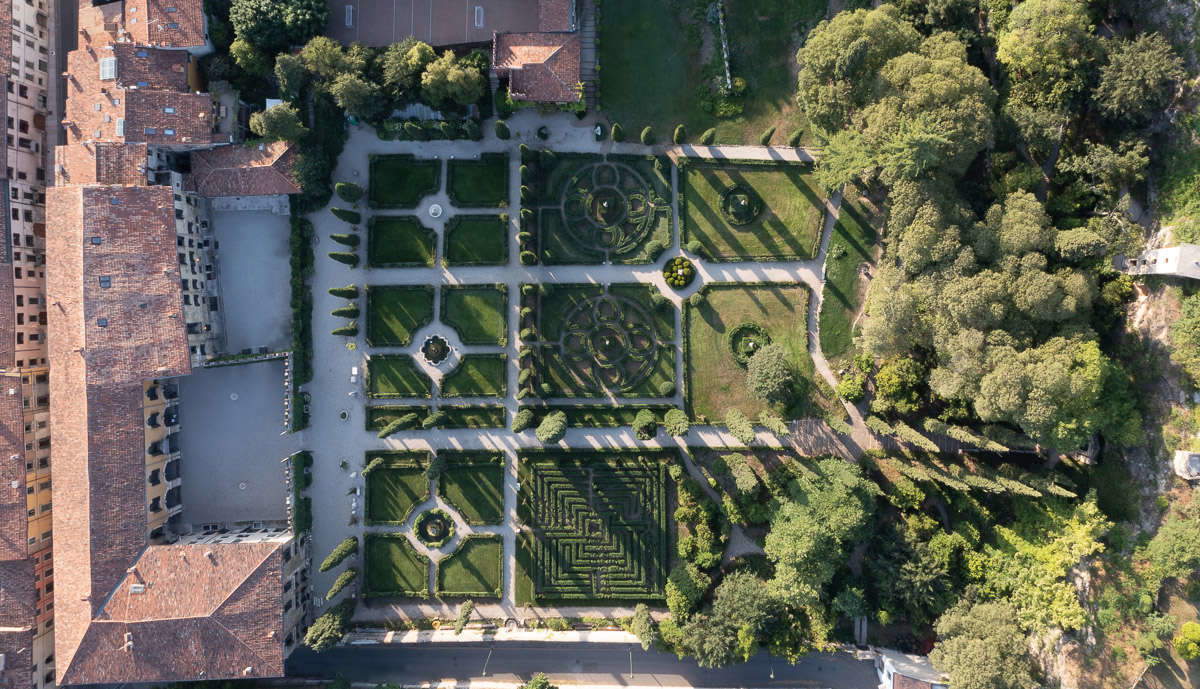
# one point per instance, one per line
(166, 23)
(146, 100)
(254, 170)
(17, 648)
(556, 15)
(13, 527)
(199, 616)
(542, 67)
(101, 163)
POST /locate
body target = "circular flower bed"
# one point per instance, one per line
(745, 340)
(434, 528)
(435, 350)
(740, 205)
(679, 272)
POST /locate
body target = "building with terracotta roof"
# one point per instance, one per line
(26, 569)
(143, 600)
(542, 67)
(170, 24)
(262, 169)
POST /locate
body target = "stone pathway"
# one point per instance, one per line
(331, 441)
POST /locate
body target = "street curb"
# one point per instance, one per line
(500, 635)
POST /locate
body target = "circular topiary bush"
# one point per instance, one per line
(740, 205)
(745, 340)
(434, 528)
(435, 350)
(679, 272)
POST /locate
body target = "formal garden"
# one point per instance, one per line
(751, 212)
(594, 340)
(599, 526)
(593, 208)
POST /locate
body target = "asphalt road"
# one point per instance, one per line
(571, 663)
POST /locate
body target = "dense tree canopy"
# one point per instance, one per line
(981, 647)
(1140, 78)
(271, 26)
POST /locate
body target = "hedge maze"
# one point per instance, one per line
(600, 523)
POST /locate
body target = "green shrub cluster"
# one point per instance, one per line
(343, 580)
(347, 292)
(347, 215)
(679, 272)
(328, 629)
(704, 542)
(552, 428)
(340, 552)
(413, 129)
(347, 257)
(348, 192)
(301, 262)
(676, 422)
(346, 239)
(645, 425)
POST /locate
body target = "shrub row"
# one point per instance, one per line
(414, 129)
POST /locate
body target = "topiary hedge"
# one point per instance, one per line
(647, 136)
(552, 428)
(676, 422)
(348, 330)
(352, 217)
(708, 137)
(346, 238)
(745, 339)
(345, 312)
(347, 292)
(348, 191)
(502, 131)
(348, 257)
(522, 420)
(679, 272)
(341, 582)
(645, 426)
(340, 552)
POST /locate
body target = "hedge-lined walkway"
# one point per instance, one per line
(333, 440)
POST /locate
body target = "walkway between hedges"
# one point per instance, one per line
(332, 439)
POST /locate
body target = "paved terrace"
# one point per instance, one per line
(332, 439)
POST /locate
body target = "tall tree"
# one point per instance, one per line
(357, 96)
(448, 80)
(841, 57)
(981, 647)
(272, 26)
(1140, 78)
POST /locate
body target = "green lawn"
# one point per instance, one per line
(476, 240)
(716, 382)
(479, 313)
(395, 312)
(399, 241)
(852, 245)
(477, 375)
(401, 180)
(787, 228)
(479, 183)
(647, 80)
(474, 570)
(473, 483)
(395, 568)
(395, 375)
(396, 487)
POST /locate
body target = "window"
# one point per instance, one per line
(169, 110)
(108, 68)
(143, 84)
(96, 241)
(23, 91)
(142, 53)
(172, 25)
(149, 131)
(106, 281)
(169, 132)
(172, 9)
(102, 322)
(120, 122)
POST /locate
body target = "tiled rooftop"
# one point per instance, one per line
(101, 163)
(253, 170)
(166, 23)
(542, 67)
(200, 611)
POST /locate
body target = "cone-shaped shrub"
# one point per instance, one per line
(552, 428)
(346, 238)
(348, 257)
(765, 138)
(346, 312)
(352, 217)
(647, 136)
(680, 134)
(618, 132)
(349, 330)
(340, 552)
(348, 191)
(794, 139)
(502, 130)
(341, 582)
(347, 292)
(708, 137)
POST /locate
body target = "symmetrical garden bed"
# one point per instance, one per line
(476, 240)
(600, 526)
(591, 209)
(395, 568)
(479, 183)
(401, 180)
(475, 570)
(397, 486)
(396, 375)
(716, 378)
(592, 341)
(473, 484)
(477, 375)
(479, 313)
(399, 241)
(751, 211)
(395, 312)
